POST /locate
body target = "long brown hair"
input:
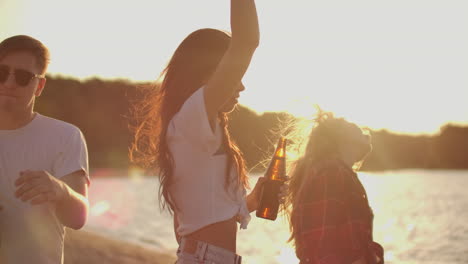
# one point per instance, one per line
(190, 67)
(322, 144)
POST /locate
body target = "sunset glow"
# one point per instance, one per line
(399, 65)
(118, 213)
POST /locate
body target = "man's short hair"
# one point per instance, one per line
(23, 43)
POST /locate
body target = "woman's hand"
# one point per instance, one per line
(253, 199)
(283, 193)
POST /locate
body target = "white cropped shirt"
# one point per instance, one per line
(199, 171)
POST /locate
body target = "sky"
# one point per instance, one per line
(399, 65)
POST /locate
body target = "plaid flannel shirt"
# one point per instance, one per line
(334, 219)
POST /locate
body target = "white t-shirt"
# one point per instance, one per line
(33, 233)
(200, 170)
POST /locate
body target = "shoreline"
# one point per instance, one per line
(85, 247)
(99, 173)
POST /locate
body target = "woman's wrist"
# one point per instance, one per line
(252, 202)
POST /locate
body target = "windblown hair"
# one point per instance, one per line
(190, 67)
(23, 43)
(322, 144)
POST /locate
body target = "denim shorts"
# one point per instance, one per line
(197, 252)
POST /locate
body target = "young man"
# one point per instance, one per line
(43, 162)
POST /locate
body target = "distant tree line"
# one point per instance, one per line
(101, 110)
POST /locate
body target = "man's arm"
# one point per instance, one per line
(69, 193)
(73, 209)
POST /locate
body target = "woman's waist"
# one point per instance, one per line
(221, 234)
(201, 209)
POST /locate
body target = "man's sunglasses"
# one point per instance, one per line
(22, 77)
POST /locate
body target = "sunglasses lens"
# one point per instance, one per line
(23, 77)
(4, 72)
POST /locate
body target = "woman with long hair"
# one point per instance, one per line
(330, 216)
(181, 135)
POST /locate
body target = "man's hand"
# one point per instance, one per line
(39, 187)
(69, 194)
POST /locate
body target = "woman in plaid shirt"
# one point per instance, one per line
(330, 217)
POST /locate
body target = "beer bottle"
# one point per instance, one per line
(275, 177)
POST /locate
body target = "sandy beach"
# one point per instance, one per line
(83, 247)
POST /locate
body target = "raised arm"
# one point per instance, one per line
(228, 75)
